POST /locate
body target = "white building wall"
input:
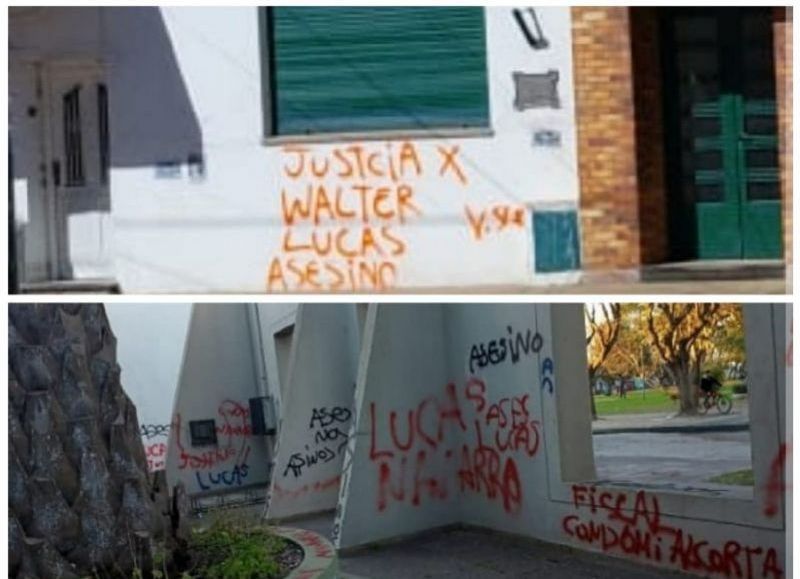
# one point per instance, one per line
(316, 413)
(218, 378)
(540, 481)
(185, 81)
(276, 324)
(158, 351)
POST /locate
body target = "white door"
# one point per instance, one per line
(34, 217)
(79, 165)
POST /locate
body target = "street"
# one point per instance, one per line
(671, 458)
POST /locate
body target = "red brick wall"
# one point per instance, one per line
(610, 217)
(783, 75)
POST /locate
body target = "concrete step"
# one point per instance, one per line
(710, 270)
(69, 286)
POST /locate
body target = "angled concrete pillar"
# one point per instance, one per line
(316, 411)
(218, 378)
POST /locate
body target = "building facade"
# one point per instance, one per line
(329, 149)
(208, 381)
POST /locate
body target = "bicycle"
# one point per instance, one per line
(723, 402)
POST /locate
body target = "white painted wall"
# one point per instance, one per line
(411, 351)
(403, 363)
(218, 377)
(274, 321)
(315, 422)
(150, 346)
(152, 352)
(186, 80)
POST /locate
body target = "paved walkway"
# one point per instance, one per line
(737, 420)
(467, 554)
(738, 287)
(478, 554)
(675, 460)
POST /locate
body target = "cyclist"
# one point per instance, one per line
(708, 384)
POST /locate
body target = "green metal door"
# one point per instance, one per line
(725, 152)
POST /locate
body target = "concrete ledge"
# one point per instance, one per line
(97, 286)
(691, 428)
(715, 270)
(319, 554)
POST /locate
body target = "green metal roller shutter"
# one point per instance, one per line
(362, 69)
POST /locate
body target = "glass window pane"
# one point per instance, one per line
(763, 191)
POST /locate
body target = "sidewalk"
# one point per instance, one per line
(466, 553)
(737, 420)
(738, 287)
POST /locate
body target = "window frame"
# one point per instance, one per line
(765, 343)
(196, 436)
(268, 89)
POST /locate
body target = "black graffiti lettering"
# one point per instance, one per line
(295, 464)
(329, 434)
(299, 461)
(149, 431)
(496, 352)
(324, 417)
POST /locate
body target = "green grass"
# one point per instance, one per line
(737, 477)
(641, 402)
(636, 402)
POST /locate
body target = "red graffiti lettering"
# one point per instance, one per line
(228, 458)
(775, 486)
(317, 487)
(634, 527)
(424, 456)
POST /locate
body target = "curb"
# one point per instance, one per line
(319, 554)
(674, 429)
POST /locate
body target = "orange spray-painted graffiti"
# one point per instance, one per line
(493, 220)
(343, 210)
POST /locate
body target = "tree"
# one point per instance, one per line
(602, 332)
(632, 354)
(684, 335)
(80, 500)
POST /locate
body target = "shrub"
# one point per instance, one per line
(739, 388)
(229, 551)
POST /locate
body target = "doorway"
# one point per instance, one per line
(59, 115)
(721, 133)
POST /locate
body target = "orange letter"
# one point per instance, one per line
(404, 201)
(409, 153)
(301, 161)
(295, 208)
(449, 161)
(476, 224)
(276, 275)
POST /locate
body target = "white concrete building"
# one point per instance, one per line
(186, 149)
(207, 381)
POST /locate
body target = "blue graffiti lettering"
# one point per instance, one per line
(547, 375)
(231, 477)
